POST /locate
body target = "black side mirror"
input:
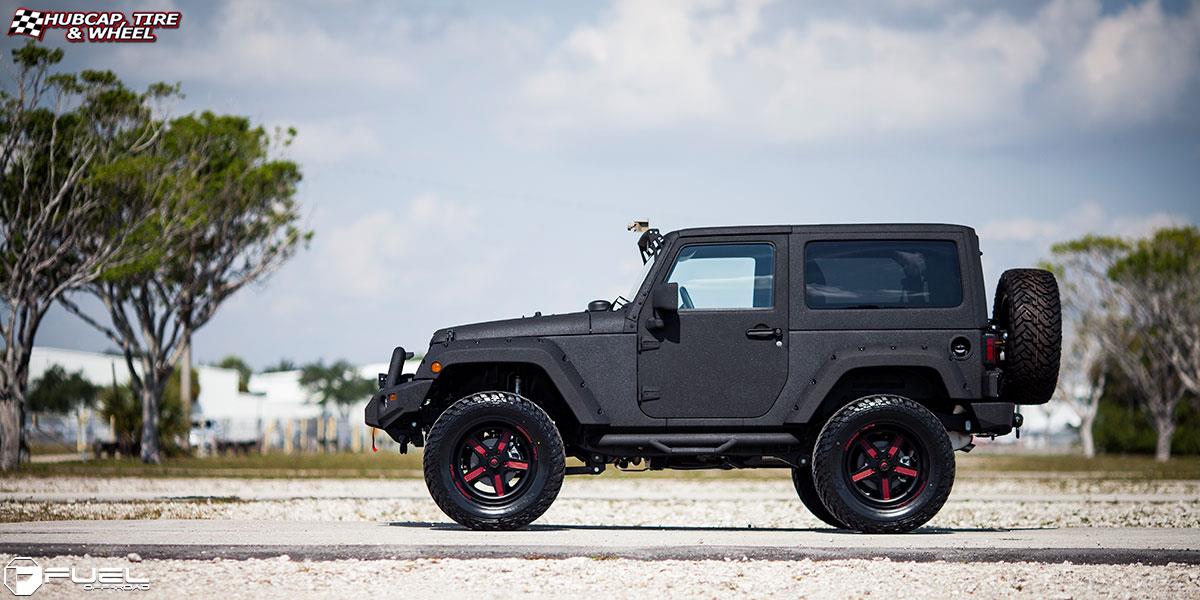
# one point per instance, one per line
(664, 298)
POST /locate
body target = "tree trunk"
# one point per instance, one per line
(1166, 431)
(151, 393)
(185, 388)
(10, 434)
(1086, 436)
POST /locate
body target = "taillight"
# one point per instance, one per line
(991, 349)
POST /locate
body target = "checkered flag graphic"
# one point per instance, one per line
(27, 22)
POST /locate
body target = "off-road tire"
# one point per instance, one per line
(802, 479)
(875, 414)
(1028, 308)
(441, 452)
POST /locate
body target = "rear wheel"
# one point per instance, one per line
(883, 464)
(494, 460)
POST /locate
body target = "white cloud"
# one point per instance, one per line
(1083, 219)
(649, 64)
(333, 139)
(723, 67)
(422, 242)
(835, 79)
(269, 43)
(1021, 229)
(1138, 64)
(720, 68)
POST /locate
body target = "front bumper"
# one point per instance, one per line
(392, 403)
(395, 408)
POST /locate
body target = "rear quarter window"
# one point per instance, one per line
(864, 274)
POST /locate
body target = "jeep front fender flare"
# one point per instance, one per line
(540, 352)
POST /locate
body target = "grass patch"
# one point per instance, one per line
(1122, 466)
(256, 466)
(391, 465)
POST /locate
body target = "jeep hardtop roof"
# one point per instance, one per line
(837, 228)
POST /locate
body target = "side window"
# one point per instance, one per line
(882, 274)
(725, 276)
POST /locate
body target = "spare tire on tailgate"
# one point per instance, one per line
(1027, 308)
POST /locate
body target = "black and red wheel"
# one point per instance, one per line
(883, 464)
(494, 463)
(494, 460)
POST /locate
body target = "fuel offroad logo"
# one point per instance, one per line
(93, 26)
(23, 576)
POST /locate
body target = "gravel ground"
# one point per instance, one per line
(1021, 500)
(450, 578)
(975, 503)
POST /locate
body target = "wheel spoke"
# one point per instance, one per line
(895, 445)
(868, 447)
(503, 441)
(517, 465)
(863, 474)
(885, 487)
(473, 475)
(905, 471)
(477, 447)
(499, 481)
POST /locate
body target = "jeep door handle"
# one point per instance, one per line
(764, 333)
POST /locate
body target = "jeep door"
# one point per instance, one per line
(723, 353)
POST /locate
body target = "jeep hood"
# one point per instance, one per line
(544, 325)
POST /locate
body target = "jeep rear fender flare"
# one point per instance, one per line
(810, 395)
(539, 352)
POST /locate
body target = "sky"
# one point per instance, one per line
(467, 161)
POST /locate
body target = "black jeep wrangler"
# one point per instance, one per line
(858, 356)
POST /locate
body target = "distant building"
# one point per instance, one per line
(218, 387)
(273, 399)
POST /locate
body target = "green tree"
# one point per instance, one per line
(284, 364)
(244, 371)
(237, 224)
(56, 232)
(1146, 312)
(1124, 427)
(338, 385)
(59, 392)
(121, 407)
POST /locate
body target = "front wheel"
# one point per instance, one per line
(802, 479)
(494, 460)
(883, 464)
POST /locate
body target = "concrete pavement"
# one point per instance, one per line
(206, 539)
